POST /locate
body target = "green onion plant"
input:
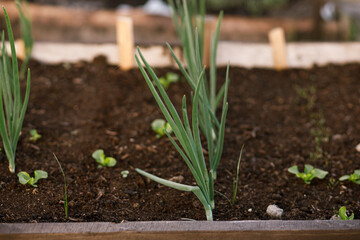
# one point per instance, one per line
(12, 108)
(188, 133)
(189, 21)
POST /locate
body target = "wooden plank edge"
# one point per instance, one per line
(181, 226)
(248, 55)
(243, 235)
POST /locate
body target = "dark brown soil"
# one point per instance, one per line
(80, 108)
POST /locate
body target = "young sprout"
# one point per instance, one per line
(34, 135)
(103, 161)
(355, 177)
(169, 78)
(24, 177)
(343, 215)
(332, 183)
(309, 173)
(236, 182)
(66, 205)
(160, 126)
(124, 173)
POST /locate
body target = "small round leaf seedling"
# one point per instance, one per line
(343, 215)
(169, 78)
(103, 161)
(24, 177)
(160, 126)
(124, 173)
(309, 173)
(34, 135)
(355, 177)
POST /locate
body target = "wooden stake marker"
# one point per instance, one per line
(20, 49)
(210, 25)
(125, 42)
(278, 44)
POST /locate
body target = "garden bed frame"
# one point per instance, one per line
(300, 55)
(244, 230)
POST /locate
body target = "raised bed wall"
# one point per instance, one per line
(244, 230)
(299, 55)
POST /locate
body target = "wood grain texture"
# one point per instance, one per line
(255, 230)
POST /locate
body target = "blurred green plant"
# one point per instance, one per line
(34, 135)
(252, 7)
(355, 177)
(168, 79)
(26, 33)
(344, 216)
(320, 134)
(160, 126)
(102, 160)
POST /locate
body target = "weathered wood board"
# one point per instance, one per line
(197, 230)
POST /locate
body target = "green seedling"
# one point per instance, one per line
(66, 205)
(306, 96)
(103, 161)
(124, 173)
(34, 135)
(169, 78)
(309, 173)
(160, 126)
(236, 181)
(355, 177)
(320, 134)
(12, 107)
(343, 215)
(332, 183)
(24, 177)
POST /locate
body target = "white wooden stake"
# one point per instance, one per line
(125, 41)
(20, 49)
(210, 25)
(278, 44)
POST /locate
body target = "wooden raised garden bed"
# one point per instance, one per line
(80, 106)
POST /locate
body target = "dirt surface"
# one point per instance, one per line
(80, 108)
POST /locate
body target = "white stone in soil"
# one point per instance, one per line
(274, 211)
(335, 217)
(358, 147)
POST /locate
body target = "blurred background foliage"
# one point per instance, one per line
(248, 7)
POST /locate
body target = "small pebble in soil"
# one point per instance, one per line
(358, 147)
(337, 137)
(274, 211)
(335, 217)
